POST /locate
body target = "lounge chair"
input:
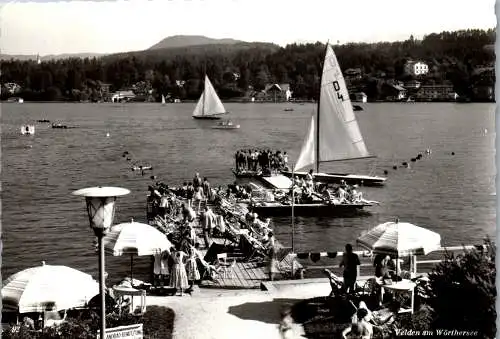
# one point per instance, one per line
(225, 266)
(336, 284)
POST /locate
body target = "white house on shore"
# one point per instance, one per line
(416, 68)
(122, 96)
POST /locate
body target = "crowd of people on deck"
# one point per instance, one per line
(265, 161)
(307, 191)
(178, 212)
(304, 191)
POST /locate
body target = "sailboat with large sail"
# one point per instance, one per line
(163, 99)
(334, 133)
(209, 105)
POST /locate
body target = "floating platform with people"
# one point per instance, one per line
(28, 129)
(337, 178)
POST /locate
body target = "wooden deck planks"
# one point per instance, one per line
(245, 276)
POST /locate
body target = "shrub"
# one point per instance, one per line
(158, 322)
(463, 291)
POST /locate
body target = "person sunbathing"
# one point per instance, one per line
(383, 317)
(361, 329)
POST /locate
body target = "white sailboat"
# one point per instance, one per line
(334, 133)
(162, 99)
(209, 106)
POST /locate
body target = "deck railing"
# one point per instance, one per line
(366, 258)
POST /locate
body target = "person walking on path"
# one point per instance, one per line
(178, 277)
(285, 326)
(350, 262)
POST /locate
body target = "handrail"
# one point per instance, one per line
(369, 254)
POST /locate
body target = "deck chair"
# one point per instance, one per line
(285, 258)
(336, 284)
(225, 266)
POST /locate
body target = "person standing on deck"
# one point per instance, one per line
(188, 214)
(207, 191)
(237, 160)
(196, 181)
(157, 269)
(178, 278)
(198, 197)
(285, 161)
(207, 224)
(190, 194)
(350, 262)
(273, 262)
(193, 274)
(309, 176)
(164, 206)
(164, 268)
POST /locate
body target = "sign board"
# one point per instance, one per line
(123, 332)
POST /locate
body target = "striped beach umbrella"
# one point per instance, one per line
(400, 239)
(34, 289)
(134, 238)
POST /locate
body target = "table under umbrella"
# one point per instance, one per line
(400, 239)
(135, 238)
(33, 289)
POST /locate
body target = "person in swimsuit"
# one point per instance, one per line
(362, 329)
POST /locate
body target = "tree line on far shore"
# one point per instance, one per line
(452, 57)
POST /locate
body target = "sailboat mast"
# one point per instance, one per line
(204, 87)
(317, 113)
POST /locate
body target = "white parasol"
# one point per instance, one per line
(401, 239)
(33, 289)
(135, 238)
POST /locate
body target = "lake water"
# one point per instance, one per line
(41, 220)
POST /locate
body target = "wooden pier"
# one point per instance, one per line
(243, 275)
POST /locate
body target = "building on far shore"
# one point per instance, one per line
(393, 92)
(416, 68)
(442, 92)
(359, 97)
(276, 92)
(122, 96)
(412, 85)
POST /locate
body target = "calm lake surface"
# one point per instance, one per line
(41, 220)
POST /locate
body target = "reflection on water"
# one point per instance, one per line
(450, 194)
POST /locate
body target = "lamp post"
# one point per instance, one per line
(101, 211)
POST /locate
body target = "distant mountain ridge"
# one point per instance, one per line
(26, 57)
(177, 41)
(171, 43)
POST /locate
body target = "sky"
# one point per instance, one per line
(109, 26)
